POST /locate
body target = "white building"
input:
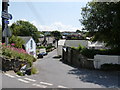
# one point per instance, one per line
(70, 43)
(60, 46)
(30, 45)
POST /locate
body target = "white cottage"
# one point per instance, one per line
(30, 45)
(70, 43)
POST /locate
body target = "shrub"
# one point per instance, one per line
(113, 67)
(16, 41)
(33, 70)
(20, 73)
(39, 47)
(17, 53)
(49, 47)
(80, 47)
(89, 53)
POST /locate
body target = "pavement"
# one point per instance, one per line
(55, 74)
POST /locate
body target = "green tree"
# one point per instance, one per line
(25, 28)
(78, 31)
(17, 41)
(103, 19)
(0, 32)
(56, 34)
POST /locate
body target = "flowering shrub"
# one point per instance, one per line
(17, 53)
(16, 41)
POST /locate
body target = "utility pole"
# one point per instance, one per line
(5, 17)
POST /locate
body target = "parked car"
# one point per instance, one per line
(43, 53)
(40, 55)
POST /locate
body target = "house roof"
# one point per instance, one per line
(25, 38)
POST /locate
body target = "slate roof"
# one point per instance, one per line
(25, 38)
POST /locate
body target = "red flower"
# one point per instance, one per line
(13, 44)
(3, 43)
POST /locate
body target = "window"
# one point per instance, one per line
(31, 44)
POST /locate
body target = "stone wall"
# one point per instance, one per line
(11, 64)
(73, 57)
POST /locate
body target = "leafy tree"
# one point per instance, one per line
(103, 19)
(25, 28)
(56, 34)
(78, 31)
(17, 41)
(0, 32)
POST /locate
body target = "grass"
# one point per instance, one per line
(33, 70)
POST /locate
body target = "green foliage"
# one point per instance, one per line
(39, 47)
(33, 70)
(80, 47)
(11, 53)
(17, 41)
(102, 19)
(20, 73)
(56, 34)
(109, 67)
(78, 31)
(49, 47)
(89, 53)
(25, 28)
(0, 32)
(0, 48)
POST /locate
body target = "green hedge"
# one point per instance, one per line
(89, 53)
(113, 67)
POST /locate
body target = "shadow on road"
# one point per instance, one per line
(106, 79)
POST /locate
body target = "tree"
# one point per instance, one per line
(0, 32)
(78, 31)
(103, 18)
(56, 34)
(25, 28)
(18, 42)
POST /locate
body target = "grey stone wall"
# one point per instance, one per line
(73, 57)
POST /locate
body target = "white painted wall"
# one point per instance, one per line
(76, 43)
(60, 46)
(28, 47)
(105, 59)
(59, 50)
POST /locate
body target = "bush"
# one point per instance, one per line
(17, 53)
(39, 47)
(89, 53)
(16, 41)
(33, 70)
(49, 47)
(20, 73)
(110, 67)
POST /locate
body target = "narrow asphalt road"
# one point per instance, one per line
(55, 74)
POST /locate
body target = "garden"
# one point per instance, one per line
(15, 58)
